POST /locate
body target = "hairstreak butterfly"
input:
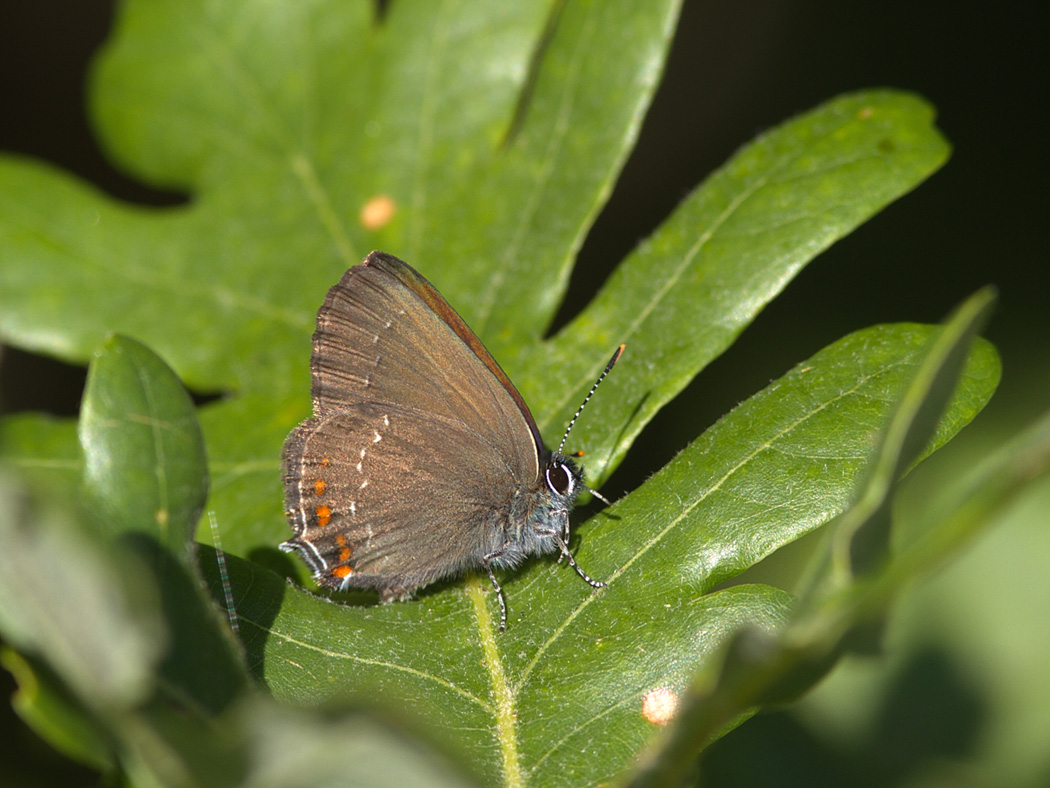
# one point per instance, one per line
(422, 460)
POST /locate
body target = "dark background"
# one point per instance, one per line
(735, 70)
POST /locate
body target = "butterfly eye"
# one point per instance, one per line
(559, 479)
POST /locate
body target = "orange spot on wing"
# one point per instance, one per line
(325, 462)
(319, 486)
(324, 515)
(341, 571)
(345, 551)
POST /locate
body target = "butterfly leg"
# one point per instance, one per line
(499, 596)
(564, 542)
(572, 562)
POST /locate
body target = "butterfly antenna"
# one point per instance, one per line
(579, 410)
(227, 589)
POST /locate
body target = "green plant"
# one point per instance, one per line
(497, 130)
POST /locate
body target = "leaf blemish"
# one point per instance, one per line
(659, 706)
(377, 212)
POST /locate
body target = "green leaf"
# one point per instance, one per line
(706, 283)
(144, 462)
(570, 672)
(862, 539)
(244, 436)
(1010, 471)
(43, 449)
(284, 123)
(494, 132)
(509, 720)
(146, 480)
(686, 293)
(105, 642)
(142, 644)
(492, 204)
(44, 703)
(857, 579)
(292, 749)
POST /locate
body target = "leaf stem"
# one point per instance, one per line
(506, 733)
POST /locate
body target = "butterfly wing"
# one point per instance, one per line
(418, 444)
(384, 333)
(378, 504)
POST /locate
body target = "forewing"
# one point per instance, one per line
(385, 335)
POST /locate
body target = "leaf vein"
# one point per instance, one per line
(687, 508)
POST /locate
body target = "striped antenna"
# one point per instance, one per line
(227, 589)
(579, 410)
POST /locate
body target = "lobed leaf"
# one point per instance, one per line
(491, 134)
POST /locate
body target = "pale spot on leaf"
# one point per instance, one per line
(659, 706)
(377, 212)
